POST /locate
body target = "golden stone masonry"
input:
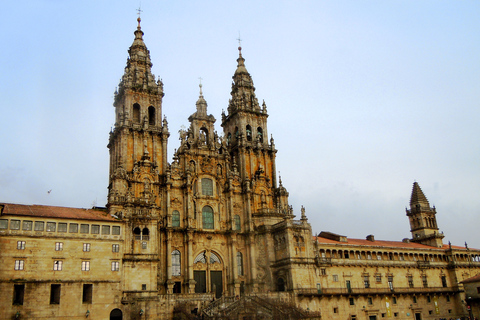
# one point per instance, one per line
(211, 235)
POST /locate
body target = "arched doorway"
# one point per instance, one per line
(208, 273)
(116, 314)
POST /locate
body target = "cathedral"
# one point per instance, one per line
(211, 235)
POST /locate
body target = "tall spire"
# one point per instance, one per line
(138, 72)
(418, 197)
(201, 103)
(243, 90)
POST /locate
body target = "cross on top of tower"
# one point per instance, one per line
(239, 42)
(139, 11)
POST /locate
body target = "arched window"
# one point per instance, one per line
(145, 234)
(151, 116)
(249, 133)
(136, 113)
(239, 264)
(207, 216)
(207, 187)
(175, 219)
(260, 134)
(141, 234)
(214, 258)
(176, 263)
(137, 233)
(236, 221)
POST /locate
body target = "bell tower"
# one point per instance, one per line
(138, 142)
(423, 223)
(138, 162)
(246, 132)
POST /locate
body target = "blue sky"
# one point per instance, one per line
(364, 97)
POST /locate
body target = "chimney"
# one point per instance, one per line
(371, 237)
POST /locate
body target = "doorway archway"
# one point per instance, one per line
(116, 314)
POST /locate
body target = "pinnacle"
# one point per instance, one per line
(418, 197)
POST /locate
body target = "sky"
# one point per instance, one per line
(364, 97)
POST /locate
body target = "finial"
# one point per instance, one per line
(139, 11)
(239, 43)
(200, 85)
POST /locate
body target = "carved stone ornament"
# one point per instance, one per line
(207, 165)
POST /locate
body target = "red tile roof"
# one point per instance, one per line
(472, 279)
(54, 212)
(384, 243)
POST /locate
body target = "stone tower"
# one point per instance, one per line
(423, 223)
(138, 160)
(245, 129)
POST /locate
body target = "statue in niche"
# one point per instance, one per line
(263, 199)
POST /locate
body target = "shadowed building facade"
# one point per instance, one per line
(212, 232)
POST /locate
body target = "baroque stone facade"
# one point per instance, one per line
(212, 232)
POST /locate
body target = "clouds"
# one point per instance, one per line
(364, 97)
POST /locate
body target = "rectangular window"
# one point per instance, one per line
(73, 228)
(144, 245)
(19, 264)
(115, 248)
(105, 229)
(84, 228)
(18, 294)
(425, 281)
(39, 226)
(21, 245)
(378, 278)
(62, 227)
(15, 224)
(410, 281)
(323, 271)
(394, 300)
(366, 281)
(335, 310)
(55, 294)
(144, 287)
(390, 282)
(95, 229)
(57, 265)
(86, 247)
(51, 226)
(448, 297)
(87, 293)
(414, 299)
(370, 300)
(444, 281)
(85, 265)
(115, 230)
(115, 266)
(351, 301)
(3, 223)
(27, 225)
(58, 246)
(335, 278)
